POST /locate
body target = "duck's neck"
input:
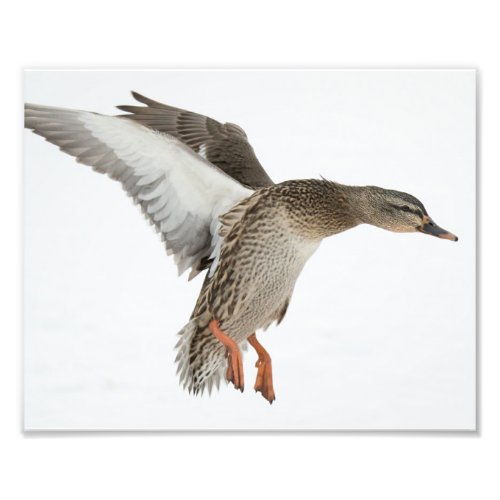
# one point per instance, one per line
(348, 207)
(362, 201)
(320, 208)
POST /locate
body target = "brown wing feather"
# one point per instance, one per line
(225, 145)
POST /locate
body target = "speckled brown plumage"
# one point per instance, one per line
(267, 240)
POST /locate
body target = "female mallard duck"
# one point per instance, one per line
(200, 184)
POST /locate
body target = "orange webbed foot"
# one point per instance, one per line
(264, 380)
(234, 372)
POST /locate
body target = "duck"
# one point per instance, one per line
(199, 183)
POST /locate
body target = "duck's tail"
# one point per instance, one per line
(201, 358)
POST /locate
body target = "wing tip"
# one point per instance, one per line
(137, 96)
(145, 100)
(149, 103)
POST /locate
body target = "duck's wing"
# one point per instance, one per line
(225, 145)
(180, 192)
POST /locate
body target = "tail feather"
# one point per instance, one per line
(200, 358)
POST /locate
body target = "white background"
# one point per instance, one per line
(387, 33)
(380, 333)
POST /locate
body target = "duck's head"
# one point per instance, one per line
(399, 212)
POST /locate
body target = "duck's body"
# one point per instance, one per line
(254, 236)
(268, 238)
(266, 247)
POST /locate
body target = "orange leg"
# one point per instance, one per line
(264, 380)
(234, 371)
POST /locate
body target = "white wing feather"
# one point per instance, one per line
(180, 192)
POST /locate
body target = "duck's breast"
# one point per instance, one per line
(262, 273)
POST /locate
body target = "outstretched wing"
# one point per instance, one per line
(180, 193)
(225, 145)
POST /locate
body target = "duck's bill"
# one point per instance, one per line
(430, 227)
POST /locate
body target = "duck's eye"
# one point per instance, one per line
(405, 208)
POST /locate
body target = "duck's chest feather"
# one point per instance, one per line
(256, 275)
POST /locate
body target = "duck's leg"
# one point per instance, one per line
(264, 380)
(234, 371)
